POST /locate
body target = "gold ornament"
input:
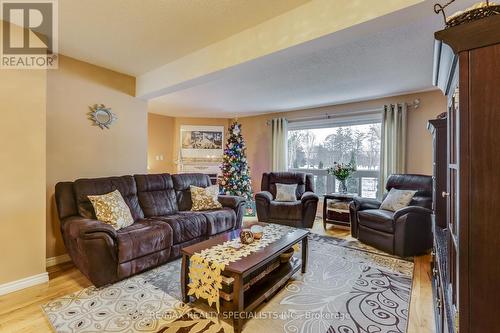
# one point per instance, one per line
(246, 236)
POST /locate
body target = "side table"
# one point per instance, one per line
(336, 209)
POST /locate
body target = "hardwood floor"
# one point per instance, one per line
(21, 312)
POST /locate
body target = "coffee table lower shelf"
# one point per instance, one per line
(267, 287)
(244, 301)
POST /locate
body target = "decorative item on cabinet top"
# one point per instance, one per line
(101, 116)
(442, 115)
(476, 12)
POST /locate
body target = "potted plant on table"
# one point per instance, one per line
(342, 172)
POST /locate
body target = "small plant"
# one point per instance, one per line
(342, 171)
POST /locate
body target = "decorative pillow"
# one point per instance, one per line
(111, 209)
(397, 199)
(205, 198)
(286, 192)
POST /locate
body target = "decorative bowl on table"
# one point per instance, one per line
(257, 231)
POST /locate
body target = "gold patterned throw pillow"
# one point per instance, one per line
(110, 208)
(397, 199)
(205, 198)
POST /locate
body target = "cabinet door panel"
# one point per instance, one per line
(453, 195)
(484, 190)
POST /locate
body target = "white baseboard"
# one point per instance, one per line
(24, 283)
(52, 261)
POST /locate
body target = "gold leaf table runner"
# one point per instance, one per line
(206, 267)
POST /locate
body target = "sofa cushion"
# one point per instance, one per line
(142, 238)
(97, 186)
(422, 184)
(397, 199)
(219, 220)
(156, 194)
(298, 178)
(378, 219)
(182, 183)
(286, 192)
(205, 198)
(110, 208)
(185, 225)
(285, 210)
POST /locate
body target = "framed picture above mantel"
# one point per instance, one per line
(201, 148)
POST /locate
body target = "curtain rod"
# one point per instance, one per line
(415, 104)
(336, 115)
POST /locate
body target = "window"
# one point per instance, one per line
(315, 146)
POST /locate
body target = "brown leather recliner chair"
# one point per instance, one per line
(300, 213)
(406, 232)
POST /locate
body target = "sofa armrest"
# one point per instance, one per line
(411, 210)
(237, 204)
(413, 231)
(309, 207)
(360, 203)
(231, 201)
(309, 196)
(264, 195)
(262, 202)
(92, 246)
(86, 227)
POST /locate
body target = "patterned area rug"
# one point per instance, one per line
(344, 290)
(132, 305)
(347, 290)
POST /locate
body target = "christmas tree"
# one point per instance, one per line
(235, 178)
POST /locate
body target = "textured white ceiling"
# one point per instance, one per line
(390, 55)
(135, 36)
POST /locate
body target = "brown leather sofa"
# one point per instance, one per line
(163, 223)
(406, 232)
(300, 213)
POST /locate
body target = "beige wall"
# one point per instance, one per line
(160, 143)
(75, 148)
(22, 160)
(419, 150)
(164, 137)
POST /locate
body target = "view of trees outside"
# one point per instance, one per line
(318, 149)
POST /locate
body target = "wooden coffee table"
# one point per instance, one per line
(245, 301)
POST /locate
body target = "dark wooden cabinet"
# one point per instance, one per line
(466, 270)
(438, 129)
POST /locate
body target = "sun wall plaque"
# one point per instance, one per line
(101, 116)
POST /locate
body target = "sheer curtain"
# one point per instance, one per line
(280, 146)
(393, 143)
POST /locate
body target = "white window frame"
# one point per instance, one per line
(333, 120)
